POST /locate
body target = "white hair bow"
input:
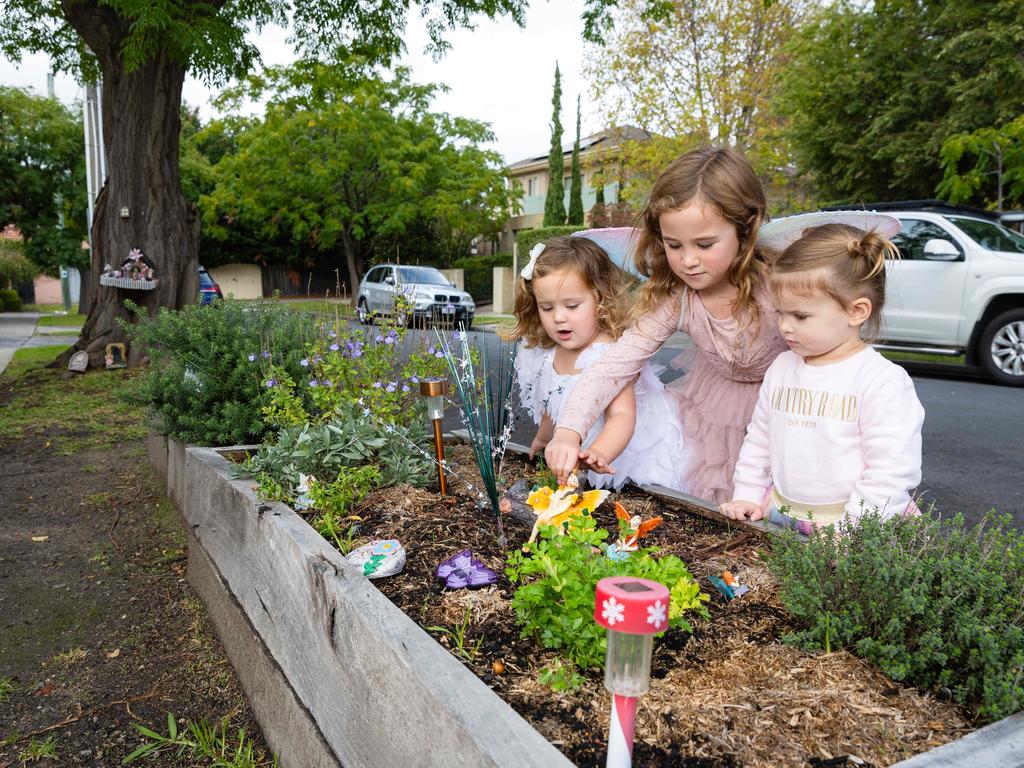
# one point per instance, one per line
(527, 272)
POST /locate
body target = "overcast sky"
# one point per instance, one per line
(497, 73)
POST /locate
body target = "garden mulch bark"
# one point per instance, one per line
(730, 694)
(98, 626)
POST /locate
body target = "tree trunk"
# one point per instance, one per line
(141, 204)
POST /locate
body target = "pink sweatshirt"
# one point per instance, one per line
(845, 432)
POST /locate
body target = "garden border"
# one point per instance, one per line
(293, 614)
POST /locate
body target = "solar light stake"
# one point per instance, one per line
(434, 391)
(633, 610)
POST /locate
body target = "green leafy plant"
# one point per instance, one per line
(544, 477)
(334, 501)
(39, 750)
(201, 739)
(349, 441)
(463, 647)
(561, 677)
(932, 603)
(199, 386)
(557, 607)
(7, 687)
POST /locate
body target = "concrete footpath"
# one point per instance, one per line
(20, 329)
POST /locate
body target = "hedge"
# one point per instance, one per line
(527, 238)
(479, 274)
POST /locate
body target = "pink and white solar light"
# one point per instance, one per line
(632, 610)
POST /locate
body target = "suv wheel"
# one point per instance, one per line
(364, 314)
(1001, 348)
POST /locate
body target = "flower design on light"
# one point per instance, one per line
(656, 614)
(613, 611)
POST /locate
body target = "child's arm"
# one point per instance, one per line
(601, 382)
(752, 473)
(891, 418)
(543, 436)
(619, 423)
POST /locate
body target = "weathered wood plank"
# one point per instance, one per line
(380, 689)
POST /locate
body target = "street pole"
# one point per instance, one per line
(65, 287)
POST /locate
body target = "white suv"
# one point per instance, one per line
(431, 297)
(958, 289)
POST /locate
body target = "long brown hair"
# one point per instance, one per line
(717, 176)
(608, 283)
(843, 262)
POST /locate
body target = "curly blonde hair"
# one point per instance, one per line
(609, 284)
(717, 176)
(843, 262)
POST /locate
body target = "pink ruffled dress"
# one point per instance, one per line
(716, 397)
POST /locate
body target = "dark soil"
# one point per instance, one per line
(99, 629)
(674, 728)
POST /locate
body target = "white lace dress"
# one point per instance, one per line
(656, 452)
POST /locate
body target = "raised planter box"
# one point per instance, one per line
(337, 675)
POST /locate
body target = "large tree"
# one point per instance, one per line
(692, 72)
(576, 179)
(141, 51)
(554, 204)
(872, 91)
(346, 163)
(42, 177)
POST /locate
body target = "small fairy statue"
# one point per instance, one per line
(632, 530)
(555, 507)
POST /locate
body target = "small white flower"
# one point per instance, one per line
(656, 615)
(613, 611)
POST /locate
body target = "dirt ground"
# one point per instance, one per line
(99, 629)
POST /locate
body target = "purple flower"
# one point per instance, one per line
(334, 347)
(460, 335)
(312, 382)
(389, 339)
(252, 357)
(333, 335)
(326, 383)
(431, 350)
(377, 385)
(265, 354)
(414, 379)
(405, 387)
(391, 387)
(304, 362)
(317, 359)
(379, 338)
(357, 350)
(271, 383)
(439, 354)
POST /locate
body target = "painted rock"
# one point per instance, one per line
(380, 558)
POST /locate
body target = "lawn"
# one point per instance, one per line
(921, 357)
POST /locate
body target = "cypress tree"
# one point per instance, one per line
(576, 191)
(554, 206)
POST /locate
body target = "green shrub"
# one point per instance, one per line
(527, 238)
(557, 608)
(15, 267)
(931, 604)
(201, 386)
(479, 274)
(9, 301)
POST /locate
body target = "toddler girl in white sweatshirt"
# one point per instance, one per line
(837, 427)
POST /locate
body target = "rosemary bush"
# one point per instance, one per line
(200, 386)
(931, 603)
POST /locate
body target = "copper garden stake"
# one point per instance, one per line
(434, 391)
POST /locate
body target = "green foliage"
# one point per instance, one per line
(378, 369)
(575, 217)
(9, 300)
(349, 441)
(384, 166)
(200, 386)
(42, 177)
(527, 238)
(479, 274)
(458, 637)
(39, 750)
(200, 739)
(871, 92)
(554, 205)
(561, 677)
(334, 500)
(7, 687)
(930, 605)
(557, 607)
(14, 267)
(973, 162)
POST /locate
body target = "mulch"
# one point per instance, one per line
(730, 694)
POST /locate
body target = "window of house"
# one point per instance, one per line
(531, 186)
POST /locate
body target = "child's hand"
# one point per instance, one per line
(562, 454)
(596, 462)
(537, 445)
(741, 510)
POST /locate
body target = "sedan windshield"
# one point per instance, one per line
(427, 275)
(990, 235)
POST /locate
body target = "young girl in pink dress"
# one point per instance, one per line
(837, 427)
(698, 247)
(571, 303)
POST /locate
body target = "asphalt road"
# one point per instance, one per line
(973, 457)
